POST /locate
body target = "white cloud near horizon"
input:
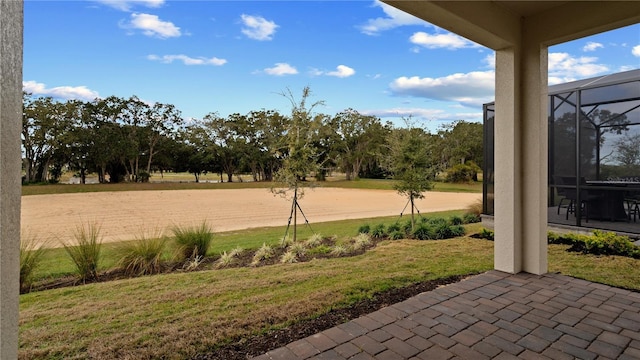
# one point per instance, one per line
(423, 114)
(468, 89)
(441, 41)
(187, 60)
(592, 46)
(126, 5)
(393, 18)
(636, 51)
(60, 92)
(258, 28)
(342, 71)
(152, 26)
(564, 67)
(281, 69)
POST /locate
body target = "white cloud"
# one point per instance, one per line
(592, 46)
(168, 59)
(281, 69)
(258, 28)
(60, 92)
(424, 114)
(342, 71)
(470, 89)
(126, 5)
(564, 67)
(636, 51)
(151, 25)
(490, 60)
(437, 41)
(394, 18)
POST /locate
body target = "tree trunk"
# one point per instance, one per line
(413, 222)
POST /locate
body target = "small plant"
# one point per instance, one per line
(378, 232)
(361, 241)
(486, 234)
(320, 250)
(225, 260)
(30, 258)
(289, 257)
(263, 253)
(85, 254)
(397, 235)
(456, 220)
(314, 240)
(340, 250)
(364, 229)
(193, 262)
(193, 241)
(236, 252)
(143, 256)
(423, 232)
(471, 218)
(298, 248)
(457, 230)
(475, 208)
(393, 228)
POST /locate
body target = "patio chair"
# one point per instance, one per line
(586, 197)
(633, 208)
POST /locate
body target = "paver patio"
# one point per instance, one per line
(493, 315)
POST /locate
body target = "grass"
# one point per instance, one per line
(181, 315)
(193, 241)
(85, 253)
(373, 184)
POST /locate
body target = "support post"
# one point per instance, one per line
(11, 28)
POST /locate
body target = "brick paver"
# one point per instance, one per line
(492, 315)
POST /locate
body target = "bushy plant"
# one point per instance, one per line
(437, 222)
(85, 253)
(442, 231)
(263, 253)
(298, 248)
(378, 232)
(361, 241)
(393, 228)
(30, 258)
(457, 230)
(407, 227)
(319, 250)
(475, 208)
(142, 256)
(314, 240)
(397, 235)
(456, 220)
(289, 257)
(225, 260)
(486, 234)
(605, 243)
(463, 173)
(193, 241)
(340, 250)
(423, 232)
(471, 218)
(365, 229)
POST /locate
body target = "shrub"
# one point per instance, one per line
(470, 218)
(193, 241)
(30, 259)
(361, 241)
(263, 253)
(378, 232)
(397, 235)
(605, 243)
(236, 252)
(289, 257)
(365, 229)
(475, 208)
(457, 230)
(298, 248)
(340, 250)
(437, 222)
(314, 240)
(193, 262)
(142, 256)
(486, 234)
(85, 254)
(225, 260)
(463, 173)
(442, 231)
(407, 227)
(423, 232)
(456, 220)
(393, 228)
(319, 250)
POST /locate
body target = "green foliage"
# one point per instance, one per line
(456, 220)
(599, 243)
(361, 241)
(265, 252)
(143, 256)
(397, 235)
(340, 250)
(471, 218)
(457, 230)
(320, 250)
(486, 234)
(85, 254)
(463, 173)
(30, 259)
(194, 241)
(423, 232)
(364, 229)
(393, 228)
(314, 240)
(378, 232)
(289, 257)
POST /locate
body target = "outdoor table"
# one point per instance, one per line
(610, 206)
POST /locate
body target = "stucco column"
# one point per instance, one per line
(11, 27)
(521, 159)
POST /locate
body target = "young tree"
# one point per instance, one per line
(299, 153)
(409, 160)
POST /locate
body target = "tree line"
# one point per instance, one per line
(127, 139)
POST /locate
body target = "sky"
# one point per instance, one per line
(239, 56)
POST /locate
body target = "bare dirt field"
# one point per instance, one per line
(123, 215)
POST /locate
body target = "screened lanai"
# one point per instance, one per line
(594, 154)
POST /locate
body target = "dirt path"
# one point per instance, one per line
(123, 215)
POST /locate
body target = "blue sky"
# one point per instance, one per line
(238, 56)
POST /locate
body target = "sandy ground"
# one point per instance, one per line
(125, 215)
